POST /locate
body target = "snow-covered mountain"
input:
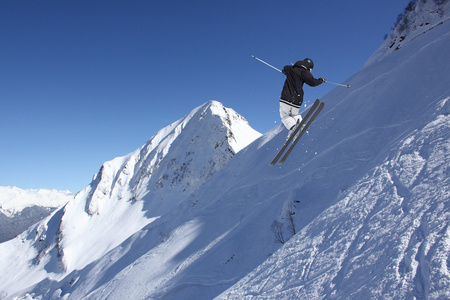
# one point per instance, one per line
(127, 194)
(140, 187)
(19, 209)
(361, 208)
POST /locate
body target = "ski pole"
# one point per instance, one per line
(266, 63)
(346, 85)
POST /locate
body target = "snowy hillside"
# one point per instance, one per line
(19, 209)
(361, 208)
(386, 237)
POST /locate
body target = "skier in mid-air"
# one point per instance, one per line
(292, 95)
(291, 100)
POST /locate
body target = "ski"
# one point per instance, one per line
(299, 135)
(289, 140)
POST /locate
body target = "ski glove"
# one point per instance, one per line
(323, 80)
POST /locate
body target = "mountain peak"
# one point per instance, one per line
(239, 132)
(180, 157)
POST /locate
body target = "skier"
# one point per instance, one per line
(292, 94)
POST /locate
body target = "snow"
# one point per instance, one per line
(362, 203)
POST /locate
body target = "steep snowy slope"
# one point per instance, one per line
(128, 193)
(387, 236)
(19, 209)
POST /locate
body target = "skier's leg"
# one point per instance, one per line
(289, 115)
(286, 116)
(295, 115)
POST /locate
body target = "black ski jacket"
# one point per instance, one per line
(296, 76)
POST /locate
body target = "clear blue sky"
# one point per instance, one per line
(82, 82)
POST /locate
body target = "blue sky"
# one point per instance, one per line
(82, 82)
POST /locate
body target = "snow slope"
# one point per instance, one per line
(361, 205)
(19, 209)
(387, 234)
(386, 237)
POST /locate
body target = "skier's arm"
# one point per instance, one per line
(309, 79)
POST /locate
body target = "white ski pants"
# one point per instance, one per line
(289, 115)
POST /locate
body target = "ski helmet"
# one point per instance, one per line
(309, 63)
